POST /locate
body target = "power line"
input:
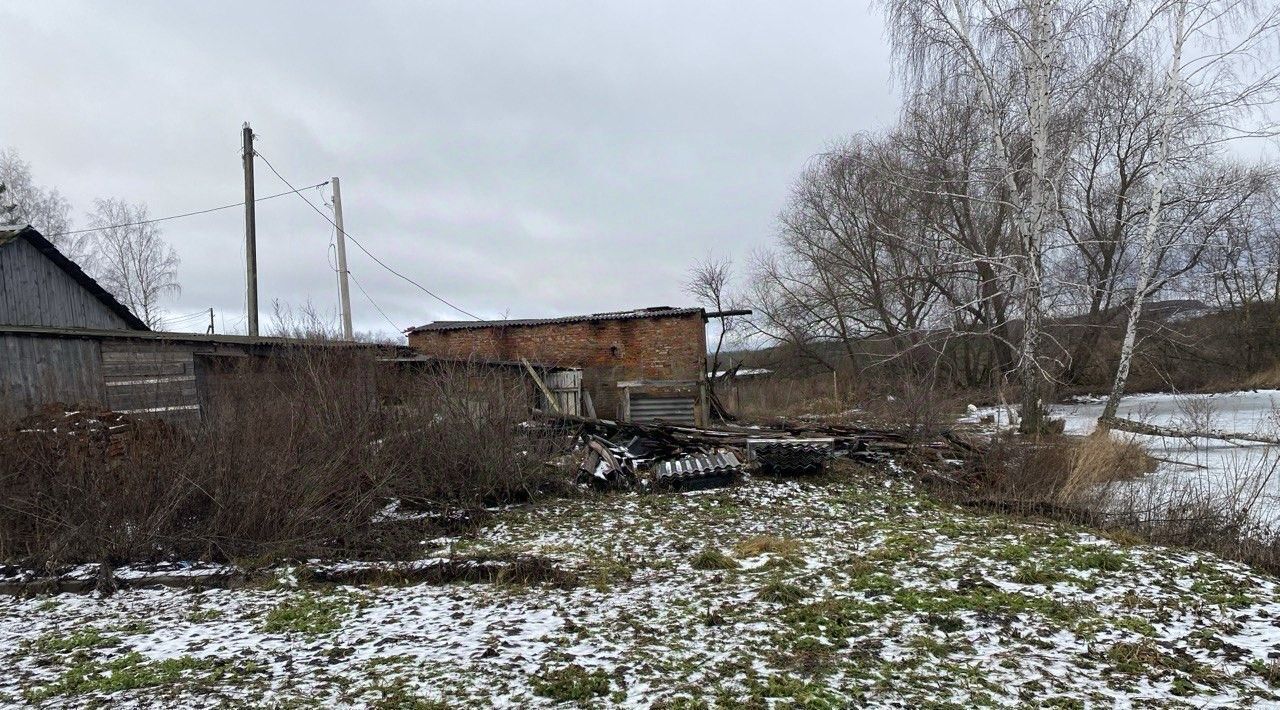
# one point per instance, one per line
(394, 327)
(355, 241)
(185, 214)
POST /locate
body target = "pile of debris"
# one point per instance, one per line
(92, 427)
(679, 457)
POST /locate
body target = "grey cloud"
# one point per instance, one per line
(522, 158)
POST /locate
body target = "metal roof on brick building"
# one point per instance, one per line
(654, 312)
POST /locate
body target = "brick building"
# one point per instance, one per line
(640, 365)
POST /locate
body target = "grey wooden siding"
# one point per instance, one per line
(34, 291)
(151, 378)
(566, 386)
(35, 371)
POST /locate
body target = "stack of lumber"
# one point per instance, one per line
(673, 440)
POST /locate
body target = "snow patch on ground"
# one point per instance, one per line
(851, 590)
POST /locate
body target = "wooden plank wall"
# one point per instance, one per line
(36, 371)
(151, 379)
(33, 291)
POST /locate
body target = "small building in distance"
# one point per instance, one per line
(641, 365)
(65, 340)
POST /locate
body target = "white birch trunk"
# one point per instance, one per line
(1037, 62)
(1030, 209)
(1147, 246)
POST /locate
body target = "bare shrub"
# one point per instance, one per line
(1196, 414)
(295, 456)
(768, 397)
(459, 436)
(78, 496)
(1016, 474)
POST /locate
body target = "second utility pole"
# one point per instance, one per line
(250, 232)
(342, 261)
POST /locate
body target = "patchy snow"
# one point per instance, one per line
(850, 590)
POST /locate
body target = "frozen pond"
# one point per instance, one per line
(1246, 473)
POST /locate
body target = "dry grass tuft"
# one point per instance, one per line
(1100, 458)
(767, 544)
(713, 559)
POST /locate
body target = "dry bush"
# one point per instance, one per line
(1052, 473)
(294, 458)
(72, 497)
(1097, 480)
(914, 406)
(1227, 512)
(880, 396)
(1099, 459)
(459, 436)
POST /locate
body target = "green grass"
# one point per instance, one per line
(1096, 558)
(307, 614)
(571, 683)
(84, 639)
(200, 616)
(1030, 573)
(130, 672)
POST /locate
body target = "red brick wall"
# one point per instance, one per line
(611, 351)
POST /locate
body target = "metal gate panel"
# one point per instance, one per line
(677, 410)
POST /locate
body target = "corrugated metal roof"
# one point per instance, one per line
(9, 233)
(697, 466)
(655, 312)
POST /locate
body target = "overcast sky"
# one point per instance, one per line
(518, 158)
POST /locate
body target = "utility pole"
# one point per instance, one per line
(210, 331)
(250, 232)
(343, 294)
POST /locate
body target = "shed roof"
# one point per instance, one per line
(170, 337)
(11, 233)
(653, 312)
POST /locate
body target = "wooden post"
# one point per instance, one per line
(551, 398)
(250, 231)
(343, 294)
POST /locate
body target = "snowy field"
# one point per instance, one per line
(852, 590)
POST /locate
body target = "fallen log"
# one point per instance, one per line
(1133, 427)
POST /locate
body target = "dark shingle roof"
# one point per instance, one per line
(44, 246)
(654, 312)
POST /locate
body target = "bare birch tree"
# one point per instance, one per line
(1202, 98)
(27, 202)
(131, 259)
(1014, 57)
